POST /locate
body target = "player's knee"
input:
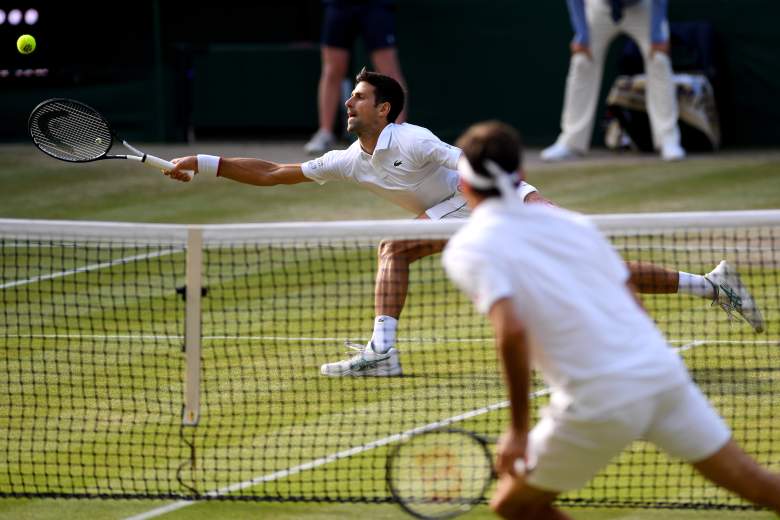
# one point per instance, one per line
(505, 507)
(387, 249)
(500, 506)
(763, 490)
(394, 249)
(408, 250)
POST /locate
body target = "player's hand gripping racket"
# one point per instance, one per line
(441, 473)
(71, 131)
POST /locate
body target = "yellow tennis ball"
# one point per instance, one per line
(25, 44)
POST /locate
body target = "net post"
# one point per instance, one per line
(192, 328)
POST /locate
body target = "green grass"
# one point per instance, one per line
(136, 403)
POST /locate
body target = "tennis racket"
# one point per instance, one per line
(71, 131)
(441, 473)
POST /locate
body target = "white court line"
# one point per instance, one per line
(352, 451)
(87, 268)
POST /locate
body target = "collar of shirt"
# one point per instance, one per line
(385, 137)
(382, 142)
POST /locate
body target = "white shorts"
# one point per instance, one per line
(454, 207)
(565, 452)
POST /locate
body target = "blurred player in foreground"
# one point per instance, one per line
(409, 166)
(559, 296)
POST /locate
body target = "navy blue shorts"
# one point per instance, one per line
(375, 23)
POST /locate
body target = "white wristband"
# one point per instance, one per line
(208, 164)
(523, 190)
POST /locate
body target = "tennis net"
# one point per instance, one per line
(156, 361)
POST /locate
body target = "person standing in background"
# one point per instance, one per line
(343, 20)
(596, 23)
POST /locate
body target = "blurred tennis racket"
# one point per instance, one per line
(71, 131)
(441, 473)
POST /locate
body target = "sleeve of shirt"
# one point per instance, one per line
(613, 260)
(657, 19)
(480, 278)
(334, 165)
(579, 21)
(436, 151)
(604, 250)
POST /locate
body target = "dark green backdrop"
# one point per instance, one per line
(252, 70)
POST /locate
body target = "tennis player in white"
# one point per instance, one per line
(411, 167)
(559, 298)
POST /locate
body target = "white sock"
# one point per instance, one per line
(696, 285)
(384, 333)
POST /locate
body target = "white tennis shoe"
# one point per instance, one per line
(366, 362)
(732, 295)
(672, 152)
(320, 142)
(559, 152)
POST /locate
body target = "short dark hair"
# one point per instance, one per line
(492, 140)
(386, 89)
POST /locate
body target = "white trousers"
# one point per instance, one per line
(584, 79)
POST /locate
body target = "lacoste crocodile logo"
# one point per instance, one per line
(397, 163)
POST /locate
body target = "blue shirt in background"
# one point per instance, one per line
(580, 24)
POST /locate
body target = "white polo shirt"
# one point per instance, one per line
(595, 347)
(410, 167)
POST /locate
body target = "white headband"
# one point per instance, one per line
(499, 179)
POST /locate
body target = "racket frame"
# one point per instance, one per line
(142, 157)
(481, 440)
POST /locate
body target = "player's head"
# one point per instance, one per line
(385, 94)
(491, 150)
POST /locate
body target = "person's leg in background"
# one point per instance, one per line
(338, 35)
(386, 61)
(662, 108)
(582, 86)
(379, 35)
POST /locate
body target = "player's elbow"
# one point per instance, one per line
(267, 179)
(283, 174)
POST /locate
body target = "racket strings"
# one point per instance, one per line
(441, 473)
(70, 131)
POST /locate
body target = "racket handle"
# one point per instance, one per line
(162, 164)
(520, 467)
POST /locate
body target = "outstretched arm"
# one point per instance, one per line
(248, 171)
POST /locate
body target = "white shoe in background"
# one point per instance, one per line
(559, 152)
(672, 152)
(320, 142)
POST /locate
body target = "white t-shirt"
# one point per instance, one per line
(595, 347)
(410, 167)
